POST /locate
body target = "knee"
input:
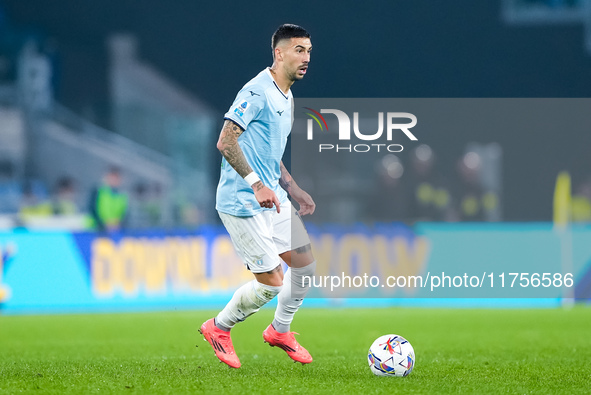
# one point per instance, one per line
(305, 270)
(275, 281)
(302, 277)
(274, 278)
(302, 257)
(267, 291)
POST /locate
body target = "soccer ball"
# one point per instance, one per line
(391, 355)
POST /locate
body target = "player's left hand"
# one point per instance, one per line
(307, 205)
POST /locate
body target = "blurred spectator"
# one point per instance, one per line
(156, 203)
(191, 216)
(145, 206)
(581, 203)
(475, 203)
(389, 201)
(430, 196)
(9, 189)
(108, 204)
(64, 202)
(33, 204)
(139, 216)
(186, 212)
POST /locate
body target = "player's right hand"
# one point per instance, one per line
(265, 196)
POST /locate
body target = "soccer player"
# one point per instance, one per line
(253, 205)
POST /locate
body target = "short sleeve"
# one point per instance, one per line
(246, 107)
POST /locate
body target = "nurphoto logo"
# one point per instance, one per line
(391, 119)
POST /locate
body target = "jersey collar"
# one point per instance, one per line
(268, 70)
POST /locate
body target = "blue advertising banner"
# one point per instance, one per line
(443, 260)
(47, 272)
(473, 264)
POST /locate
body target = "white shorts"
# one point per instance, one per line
(260, 239)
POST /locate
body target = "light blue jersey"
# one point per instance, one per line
(265, 114)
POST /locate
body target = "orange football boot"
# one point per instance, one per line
(288, 343)
(221, 342)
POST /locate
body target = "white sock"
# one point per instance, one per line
(292, 295)
(247, 300)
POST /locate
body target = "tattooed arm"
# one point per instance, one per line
(286, 181)
(228, 146)
(307, 205)
(230, 149)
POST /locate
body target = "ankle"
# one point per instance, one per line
(220, 326)
(279, 327)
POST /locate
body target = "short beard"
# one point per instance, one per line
(295, 77)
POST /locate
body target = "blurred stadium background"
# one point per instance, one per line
(130, 95)
(141, 87)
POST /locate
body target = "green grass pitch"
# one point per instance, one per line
(458, 350)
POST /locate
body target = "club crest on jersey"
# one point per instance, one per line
(258, 260)
(241, 108)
